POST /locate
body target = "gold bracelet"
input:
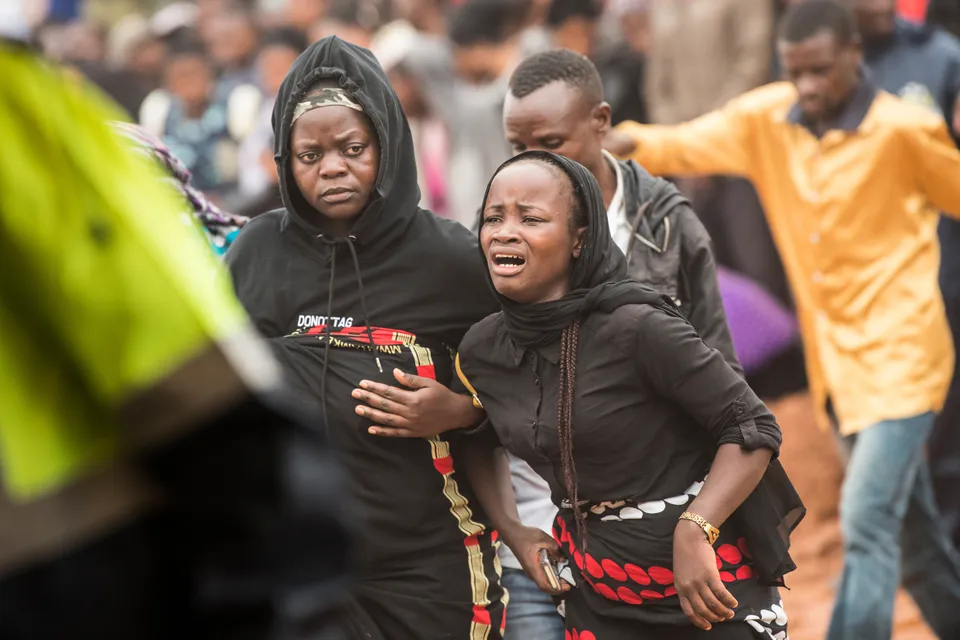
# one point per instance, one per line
(712, 532)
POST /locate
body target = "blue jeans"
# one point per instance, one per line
(531, 613)
(886, 505)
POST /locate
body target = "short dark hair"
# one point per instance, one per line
(284, 37)
(564, 65)
(486, 21)
(562, 10)
(806, 19)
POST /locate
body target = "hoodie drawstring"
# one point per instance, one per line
(333, 242)
(363, 301)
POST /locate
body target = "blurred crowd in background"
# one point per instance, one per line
(203, 77)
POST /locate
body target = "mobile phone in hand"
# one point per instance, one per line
(549, 570)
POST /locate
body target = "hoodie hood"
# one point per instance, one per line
(396, 196)
(657, 197)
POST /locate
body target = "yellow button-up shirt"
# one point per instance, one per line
(854, 216)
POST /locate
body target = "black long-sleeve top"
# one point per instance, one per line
(651, 403)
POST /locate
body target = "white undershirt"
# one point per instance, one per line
(533, 504)
(617, 212)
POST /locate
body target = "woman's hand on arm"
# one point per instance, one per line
(703, 597)
(488, 471)
(423, 409)
(733, 475)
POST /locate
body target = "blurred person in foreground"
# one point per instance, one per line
(921, 64)
(847, 174)
(150, 460)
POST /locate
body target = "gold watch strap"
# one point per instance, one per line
(712, 532)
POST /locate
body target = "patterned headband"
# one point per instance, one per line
(332, 97)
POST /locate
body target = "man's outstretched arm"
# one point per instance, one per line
(716, 143)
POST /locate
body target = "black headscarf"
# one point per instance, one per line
(598, 281)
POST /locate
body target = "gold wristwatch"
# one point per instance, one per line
(712, 532)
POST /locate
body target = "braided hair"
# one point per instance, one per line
(569, 341)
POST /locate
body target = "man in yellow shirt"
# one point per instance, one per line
(851, 179)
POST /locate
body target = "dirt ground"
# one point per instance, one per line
(809, 456)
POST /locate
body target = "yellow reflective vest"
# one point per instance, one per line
(106, 286)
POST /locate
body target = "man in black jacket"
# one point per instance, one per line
(556, 104)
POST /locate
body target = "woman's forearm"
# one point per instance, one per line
(488, 470)
(735, 473)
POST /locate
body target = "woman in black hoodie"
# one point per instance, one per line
(354, 281)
